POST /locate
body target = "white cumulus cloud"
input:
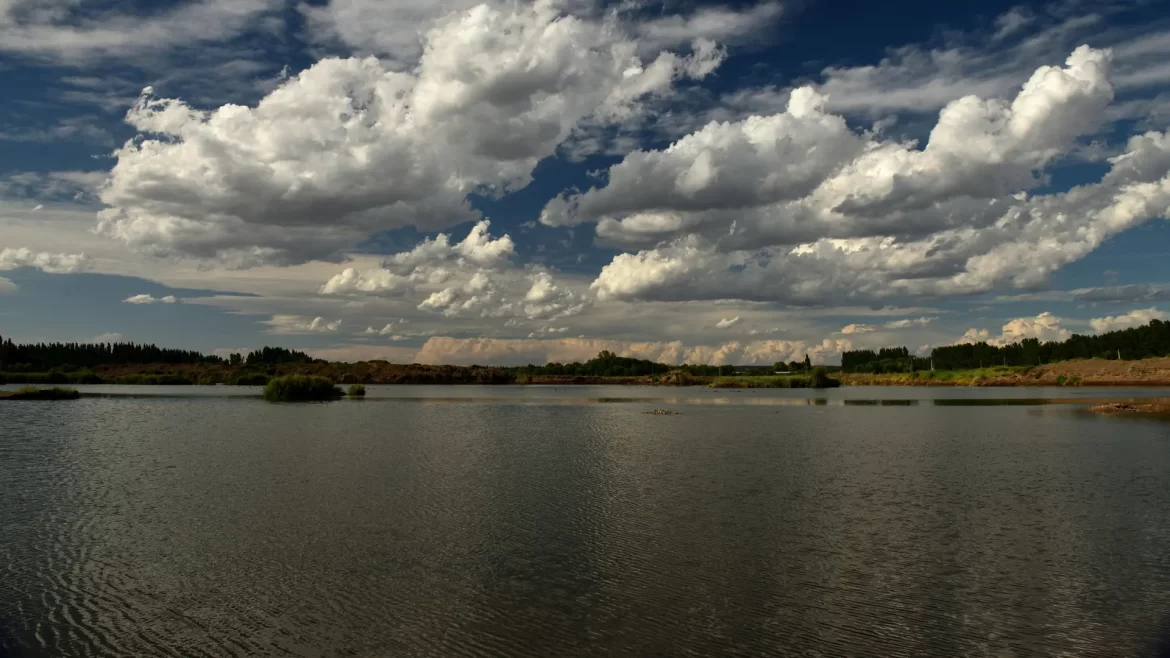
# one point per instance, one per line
(349, 147)
(473, 278)
(1135, 318)
(869, 219)
(11, 259)
(151, 299)
(296, 324)
(1045, 327)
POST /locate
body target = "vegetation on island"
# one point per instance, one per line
(356, 391)
(34, 393)
(301, 388)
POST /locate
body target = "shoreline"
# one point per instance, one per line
(1148, 373)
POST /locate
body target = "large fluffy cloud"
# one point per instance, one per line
(348, 147)
(868, 219)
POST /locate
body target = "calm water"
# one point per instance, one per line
(566, 522)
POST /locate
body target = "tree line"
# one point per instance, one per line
(608, 364)
(1151, 340)
(43, 357)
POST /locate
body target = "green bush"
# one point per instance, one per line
(357, 391)
(301, 388)
(820, 378)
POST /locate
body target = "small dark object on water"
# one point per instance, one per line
(1152, 407)
(664, 412)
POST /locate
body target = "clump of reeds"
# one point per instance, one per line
(301, 388)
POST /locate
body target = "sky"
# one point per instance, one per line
(509, 182)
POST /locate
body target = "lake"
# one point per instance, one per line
(565, 521)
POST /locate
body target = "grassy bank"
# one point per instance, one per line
(997, 376)
(34, 393)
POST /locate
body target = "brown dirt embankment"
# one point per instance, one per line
(1086, 372)
(1099, 372)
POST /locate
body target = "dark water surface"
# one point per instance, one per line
(541, 522)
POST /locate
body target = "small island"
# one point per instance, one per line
(34, 393)
(1157, 407)
(301, 388)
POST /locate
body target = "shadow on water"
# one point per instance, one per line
(10, 645)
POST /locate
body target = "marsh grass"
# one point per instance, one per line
(301, 388)
(151, 380)
(251, 379)
(357, 391)
(818, 378)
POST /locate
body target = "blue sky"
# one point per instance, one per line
(509, 182)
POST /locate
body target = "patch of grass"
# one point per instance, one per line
(86, 377)
(34, 393)
(152, 380)
(357, 391)
(301, 388)
(818, 378)
(251, 379)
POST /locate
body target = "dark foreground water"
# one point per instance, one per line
(541, 522)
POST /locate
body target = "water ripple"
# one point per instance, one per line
(229, 527)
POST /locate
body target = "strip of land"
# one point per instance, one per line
(1160, 407)
(1087, 372)
(1084, 372)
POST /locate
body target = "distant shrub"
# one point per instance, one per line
(677, 378)
(357, 391)
(301, 388)
(821, 379)
(251, 379)
(86, 377)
